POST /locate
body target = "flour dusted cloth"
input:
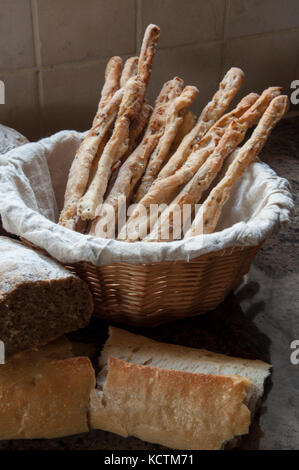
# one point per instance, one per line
(32, 184)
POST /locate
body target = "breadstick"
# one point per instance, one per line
(206, 173)
(130, 70)
(139, 125)
(133, 168)
(192, 192)
(89, 152)
(173, 122)
(112, 74)
(188, 123)
(136, 131)
(163, 190)
(210, 210)
(80, 169)
(147, 52)
(115, 148)
(210, 114)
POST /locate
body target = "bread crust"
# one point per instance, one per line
(177, 409)
(45, 393)
(210, 210)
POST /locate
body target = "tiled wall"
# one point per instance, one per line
(53, 52)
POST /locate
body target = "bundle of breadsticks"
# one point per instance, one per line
(144, 173)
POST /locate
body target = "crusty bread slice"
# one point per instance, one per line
(177, 409)
(45, 393)
(173, 395)
(40, 300)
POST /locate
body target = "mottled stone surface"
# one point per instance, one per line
(258, 321)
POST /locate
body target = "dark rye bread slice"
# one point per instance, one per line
(39, 299)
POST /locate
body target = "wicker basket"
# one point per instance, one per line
(148, 295)
(151, 294)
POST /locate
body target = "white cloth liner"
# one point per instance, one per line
(32, 183)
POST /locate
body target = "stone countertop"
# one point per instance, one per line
(259, 321)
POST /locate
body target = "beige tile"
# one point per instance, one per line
(71, 30)
(183, 22)
(261, 16)
(16, 37)
(199, 66)
(20, 110)
(268, 60)
(71, 95)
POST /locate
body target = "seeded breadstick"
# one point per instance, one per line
(139, 125)
(210, 210)
(115, 148)
(173, 121)
(87, 157)
(133, 168)
(188, 123)
(136, 132)
(168, 186)
(112, 74)
(163, 190)
(130, 70)
(80, 169)
(210, 114)
(147, 52)
(191, 193)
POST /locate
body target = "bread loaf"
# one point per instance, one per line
(39, 299)
(45, 393)
(172, 395)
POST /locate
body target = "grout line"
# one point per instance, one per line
(225, 19)
(35, 26)
(297, 66)
(264, 34)
(138, 11)
(8, 72)
(38, 61)
(223, 46)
